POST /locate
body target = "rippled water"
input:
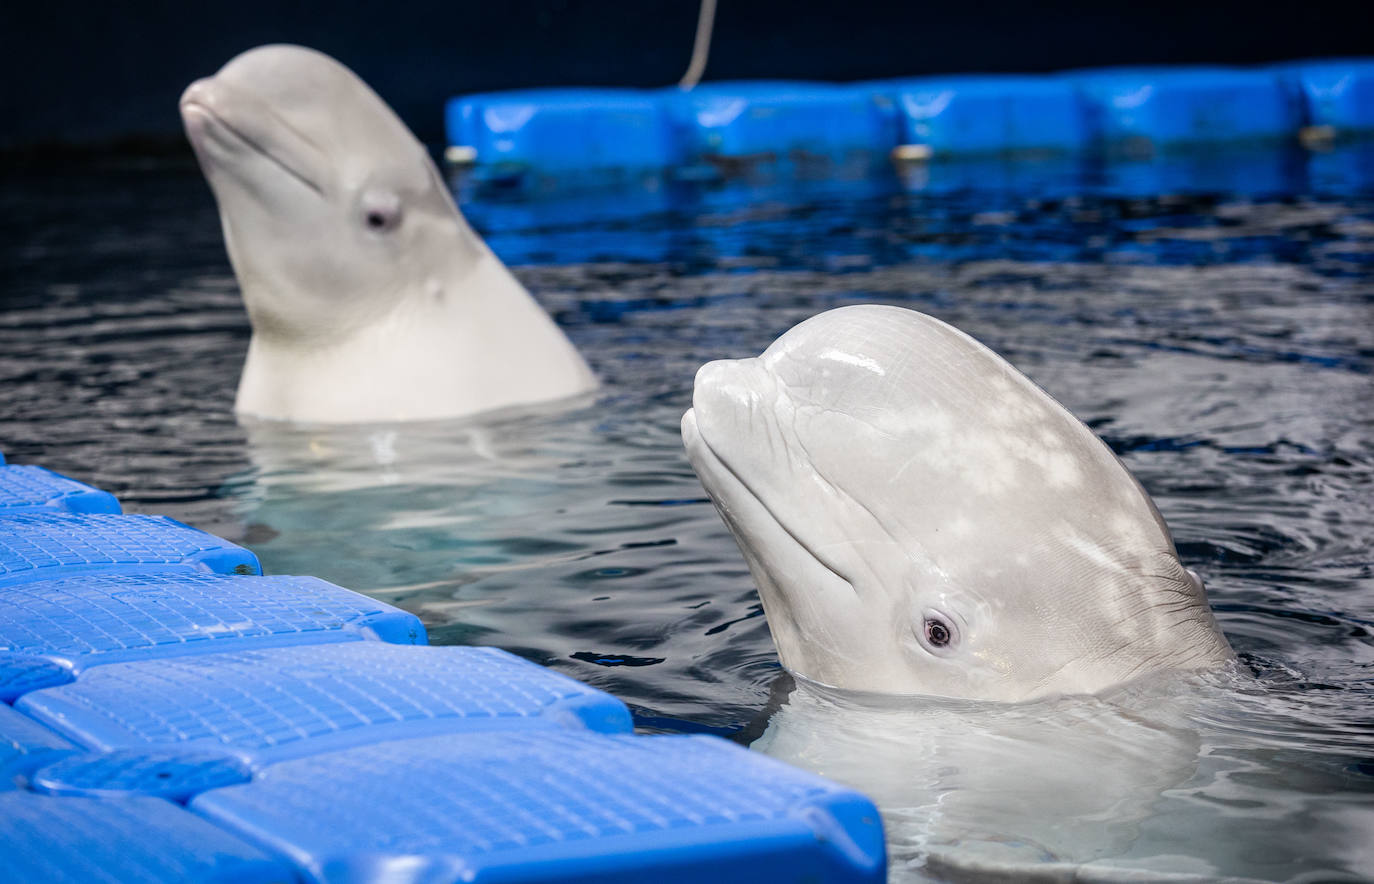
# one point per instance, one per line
(1221, 339)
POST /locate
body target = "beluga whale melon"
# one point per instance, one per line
(370, 297)
(920, 518)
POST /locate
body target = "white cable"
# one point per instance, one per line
(702, 47)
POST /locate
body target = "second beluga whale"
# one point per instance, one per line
(370, 296)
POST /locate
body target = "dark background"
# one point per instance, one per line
(96, 73)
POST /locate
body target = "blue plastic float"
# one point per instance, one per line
(29, 488)
(512, 132)
(170, 715)
(990, 114)
(808, 124)
(1337, 94)
(722, 127)
(1142, 110)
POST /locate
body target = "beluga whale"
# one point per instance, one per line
(370, 296)
(922, 519)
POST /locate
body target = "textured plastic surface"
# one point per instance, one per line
(1134, 108)
(26, 744)
(37, 546)
(106, 618)
(784, 120)
(24, 488)
(556, 806)
(1338, 93)
(171, 774)
(280, 702)
(21, 673)
(559, 130)
(45, 840)
(991, 114)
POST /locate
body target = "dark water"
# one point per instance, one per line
(1220, 338)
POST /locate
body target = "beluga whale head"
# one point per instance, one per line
(370, 296)
(920, 518)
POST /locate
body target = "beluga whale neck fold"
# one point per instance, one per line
(371, 298)
(921, 518)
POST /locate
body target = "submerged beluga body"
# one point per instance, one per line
(371, 298)
(920, 518)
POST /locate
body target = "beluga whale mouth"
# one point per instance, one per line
(371, 298)
(220, 124)
(920, 518)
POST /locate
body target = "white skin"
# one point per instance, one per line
(921, 518)
(370, 296)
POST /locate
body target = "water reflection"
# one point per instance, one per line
(1193, 778)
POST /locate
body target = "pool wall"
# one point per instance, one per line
(718, 127)
(167, 713)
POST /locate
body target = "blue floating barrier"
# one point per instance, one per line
(555, 806)
(24, 488)
(106, 618)
(44, 840)
(21, 673)
(1141, 109)
(26, 744)
(990, 114)
(770, 120)
(171, 774)
(733, 127)
(1337, 93)
(557, 131)
(280, 702)
(39, 545)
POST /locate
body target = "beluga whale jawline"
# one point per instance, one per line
(920, 518)
(370, 296)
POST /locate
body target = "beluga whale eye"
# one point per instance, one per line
(381, 211)
(937, 632)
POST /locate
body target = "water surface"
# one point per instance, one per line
(1219, 337)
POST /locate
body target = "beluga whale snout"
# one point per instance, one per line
(921, 518)
(370, 296)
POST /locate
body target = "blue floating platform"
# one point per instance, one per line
(50, 630)
(108, 618)
(796, 121)
(24, 745)
(174, 774)
(1135, 110)
(27, 488)
(283, 702)
(988, 114)
(555, 806)
(149, 666)
(37, 546)
(558, 131)
(45, 840)
(1337, 93)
